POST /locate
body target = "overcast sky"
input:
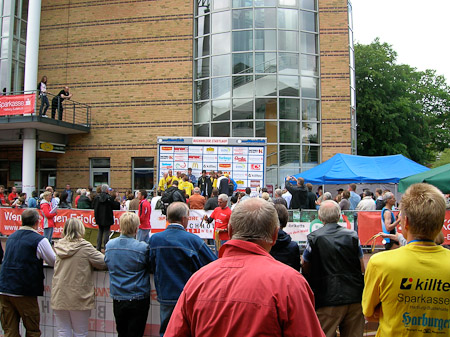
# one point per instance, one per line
(419, 31)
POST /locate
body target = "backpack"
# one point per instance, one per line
(230, 188)
(166, 200)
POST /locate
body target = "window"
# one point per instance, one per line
(99, 171)
(143, 173)
(46, 174)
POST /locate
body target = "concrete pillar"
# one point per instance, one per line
(29, 161)
(32, 50)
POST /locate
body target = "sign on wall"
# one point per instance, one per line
(17, 104)
(244, 159)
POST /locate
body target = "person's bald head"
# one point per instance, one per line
(329, 212)
(196, 190)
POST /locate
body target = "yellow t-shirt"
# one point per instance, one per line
(186, 186)
(412, 284)
(214, 183)
(162, 184)
(170, 180)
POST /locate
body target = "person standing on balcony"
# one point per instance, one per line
(57, 102)
(42, 88)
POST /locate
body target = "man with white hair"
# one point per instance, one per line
(388, 221)
(84, 202)
(278, 199)
(333, 265)
(197, 201)
(221, 215)
(246, 282)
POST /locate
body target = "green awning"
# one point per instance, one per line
(439, 177)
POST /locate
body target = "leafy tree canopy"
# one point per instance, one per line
(399, 109)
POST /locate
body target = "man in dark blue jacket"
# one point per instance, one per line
(22, 276)
(175, 255)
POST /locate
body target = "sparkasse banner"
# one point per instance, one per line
(17, 104)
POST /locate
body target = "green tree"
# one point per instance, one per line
(399, 109)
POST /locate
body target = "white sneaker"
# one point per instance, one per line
(45, 116)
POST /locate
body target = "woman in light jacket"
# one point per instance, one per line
(73, 294)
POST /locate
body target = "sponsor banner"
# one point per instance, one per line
(165, 157)
(239, 167)
(256, 159)
(225, 150)
(242, 183)
(180, 165)
(180, 157)
(210, 150)
(255, 183)
(209, 140)
(240, 151)
(196, 167)
(255, 151)
(197, 157)
(210, 166)
(225, 159)
(255, 175)
(180, 149)
(17, 104)
(240, 159)
(224, 166)
(209, 158)
(166, 166)
(256, 167)
(195, 150)
(240, 175)
(166, 149)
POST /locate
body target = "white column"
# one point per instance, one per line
(32, 51)
(31, 70)
(29, 161)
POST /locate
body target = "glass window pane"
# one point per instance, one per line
(143, 179)
(310, 110)
(202, 68)
(220, 130)
(308, 21)
(310, 154)
(266, 18)
(242, 129)
(221, 65)
(100, 178)
(310, 87)
(202, 7)
(265, 3)
(221, 87)
(202, 112)
(221, 43)
(272, 155)
(288, 3)
(243, 108)
(309, 65)
(310, 133)
(308, 43)
(243, 86)
(266, 40)
(243, 19)
(201, 130)
(288, 63)
(243, 40)
(220, 110)
(289, 108)
(221, 4)
(290, 155)
(288, 40)
(289, 132)
(44, 164)
(202, 25)
(265, 63)
(221, 22)
(266, 108)
(100, 163)
(289, 86)
(287, 18)
(242, 3)
(147, 162)
(266, 85)
(202, 46)
(242, 63)
(308, 4)
(267, 129)
(201, 90)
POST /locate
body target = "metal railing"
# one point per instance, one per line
(66, 110)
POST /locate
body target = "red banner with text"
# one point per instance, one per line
(17, 104)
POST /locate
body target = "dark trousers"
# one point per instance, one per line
(57, 105)
(44, 102)
(165, 311)
(12, 309)
(131, 317)
(103, 236)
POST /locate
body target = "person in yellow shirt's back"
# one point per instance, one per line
(185, 185)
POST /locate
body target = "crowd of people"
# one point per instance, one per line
(256, 270)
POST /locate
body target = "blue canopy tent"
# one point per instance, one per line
(345, 168)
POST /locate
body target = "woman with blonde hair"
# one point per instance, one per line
(73, 295)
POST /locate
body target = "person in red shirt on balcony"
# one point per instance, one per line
(145, 211)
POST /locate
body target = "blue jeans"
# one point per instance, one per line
(142, 234)
(165, 311)
(44, 105)
(48, 233)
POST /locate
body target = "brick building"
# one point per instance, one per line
(281, 69)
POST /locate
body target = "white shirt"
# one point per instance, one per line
(287, 196)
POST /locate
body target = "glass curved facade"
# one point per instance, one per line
(256, 73)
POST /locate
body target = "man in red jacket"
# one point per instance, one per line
(145, 211)
(246, 292)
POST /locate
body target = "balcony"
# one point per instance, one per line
(21, 111)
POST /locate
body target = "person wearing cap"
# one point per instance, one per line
(22, 276)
